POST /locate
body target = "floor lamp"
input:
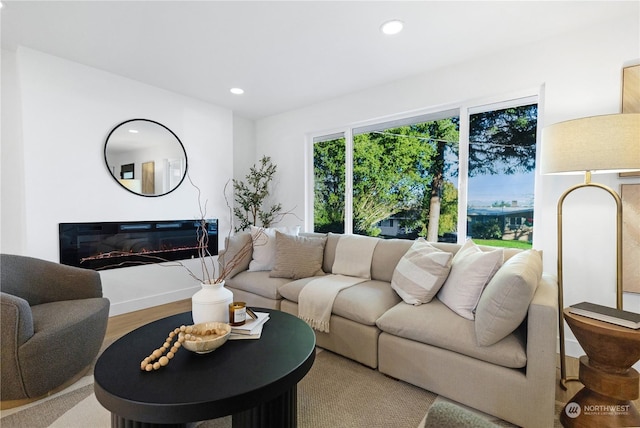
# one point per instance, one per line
(598, 144)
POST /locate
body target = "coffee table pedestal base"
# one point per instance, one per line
(120, 422)
(281, 412)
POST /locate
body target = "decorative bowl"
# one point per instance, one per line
(208, 342)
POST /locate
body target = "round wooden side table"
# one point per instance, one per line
(610, 383)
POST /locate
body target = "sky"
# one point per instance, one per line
(486, 189)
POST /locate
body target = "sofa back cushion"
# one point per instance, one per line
(505, 301)
(330, 251)
(386, 256)
(454, 248)
(471, 270)
(447, 246)
(232, 246)
(354, 254)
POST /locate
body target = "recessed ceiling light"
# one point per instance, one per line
(392, 27)
(237, 91)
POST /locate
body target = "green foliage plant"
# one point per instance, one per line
(401, 171)
(329, 185)
(251, 208)
(489, 229)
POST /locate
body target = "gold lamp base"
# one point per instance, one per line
(587, 183)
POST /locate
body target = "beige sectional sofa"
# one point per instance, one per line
(428, 345)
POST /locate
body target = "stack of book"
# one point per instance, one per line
(251, 329)
(607, 314)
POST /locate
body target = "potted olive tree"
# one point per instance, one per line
(252, 207)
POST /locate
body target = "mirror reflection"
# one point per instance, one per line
(145, 157)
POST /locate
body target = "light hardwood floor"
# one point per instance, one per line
(122, 324)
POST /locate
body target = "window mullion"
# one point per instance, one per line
(463, 172)
(309, 186)
(348, 193)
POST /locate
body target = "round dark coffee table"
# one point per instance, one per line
(255, 380)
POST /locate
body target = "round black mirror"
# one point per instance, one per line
(145, 157)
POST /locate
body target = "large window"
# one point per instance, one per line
(502, 160)
(402, 178)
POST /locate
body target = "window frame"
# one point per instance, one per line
(462, 110)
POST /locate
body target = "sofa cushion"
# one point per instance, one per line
(353, 256)
(471, 270)
(505, 301)
(292, 289)
(454, 248)
(449, 247)
(298, 256)
(421, 272)
(259, 283)
(363, 303)
(386, 256)
(435, 324)
(330, 251)
(264, 246)
(237, 254)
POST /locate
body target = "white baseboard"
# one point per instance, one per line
(139, 287)
(123, 307)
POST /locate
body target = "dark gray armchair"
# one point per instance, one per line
(53, 322)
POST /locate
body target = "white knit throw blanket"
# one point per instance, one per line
(315, 300)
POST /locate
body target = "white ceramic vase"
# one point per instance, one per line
(211, 303)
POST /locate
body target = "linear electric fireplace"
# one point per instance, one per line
(108, 245)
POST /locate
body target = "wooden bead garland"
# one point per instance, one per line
(180, 334)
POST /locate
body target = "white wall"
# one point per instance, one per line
(581, 76)
(12, 209)
(55, 121)
(244, 146)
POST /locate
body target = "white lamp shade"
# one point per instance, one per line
(600, 144)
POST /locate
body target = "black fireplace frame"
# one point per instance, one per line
(110, 245)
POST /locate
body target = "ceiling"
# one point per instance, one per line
(286, 54)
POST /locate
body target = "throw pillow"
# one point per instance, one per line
(421, 272)
(505, 302)
(298, 256)
(229, 257)
(264, 246)
(471, 270)
(353, 256)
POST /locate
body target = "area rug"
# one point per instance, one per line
(336, 393)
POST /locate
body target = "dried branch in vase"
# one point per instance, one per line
(208, 275)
